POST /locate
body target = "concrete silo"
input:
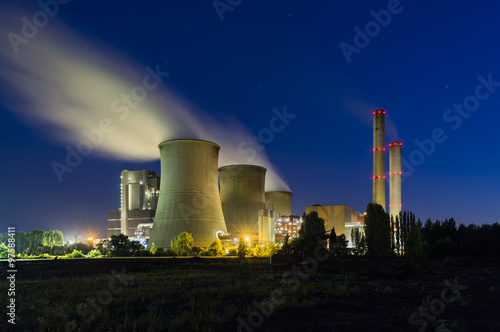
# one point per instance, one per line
(242, 196)
(189, 198)
(280, 202)
(395, 173)
(379, 157)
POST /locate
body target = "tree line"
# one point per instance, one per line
(407, 236)
(36, 240)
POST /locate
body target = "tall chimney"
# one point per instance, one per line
(395, 178)
(189, 197)
(379, 157)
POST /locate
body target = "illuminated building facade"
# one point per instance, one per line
(139, 191)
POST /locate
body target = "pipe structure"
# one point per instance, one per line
(189, 198)
(379, 157)
(395, 173)
(242, 196)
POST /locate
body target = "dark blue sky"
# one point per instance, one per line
(267, 55)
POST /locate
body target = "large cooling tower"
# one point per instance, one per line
(395, 172)
(189, 198)
(379, 157)
(242, 196)
(280, 202)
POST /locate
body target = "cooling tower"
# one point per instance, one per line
(189, 198)
(378, 157)
(242, 196)
(280, 202)
(395, 172)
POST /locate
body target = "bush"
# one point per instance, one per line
(75, 254)
(233, 252)
(169, 252)
(94, 253)
(183, 242)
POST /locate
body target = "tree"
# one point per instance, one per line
(242, 248)
(216, 248)
(311, 234)
(358, 241)
(183, 243)
(340, 248)
(377, 230)
(119, 245)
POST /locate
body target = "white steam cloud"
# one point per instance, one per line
(73, 89)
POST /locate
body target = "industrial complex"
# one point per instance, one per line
(229, 203)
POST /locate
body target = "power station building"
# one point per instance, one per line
(230, 202)
(379, 157)
(395, 173)
(139, 191)
(189, 199)
(287, 225)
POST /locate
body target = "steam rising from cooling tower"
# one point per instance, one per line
(395, 203)
(242, 196)
(67, 85)
(379, 157)
(189, 193)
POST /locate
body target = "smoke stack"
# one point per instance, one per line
(280, 202)
(395, 178)
(242, 196)
(379, 157)
(189, 197)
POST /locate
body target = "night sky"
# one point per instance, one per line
(422, 67)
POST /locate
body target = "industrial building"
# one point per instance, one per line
(242, 196)
(230, 202)
(139, 192)
(189, 199)
(379, 157)
(288, 225)
(342, 217)
(395, 173)
(280, 202)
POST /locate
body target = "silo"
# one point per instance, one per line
(189, 197)
(242, 196)
(379, 157)
(395, 173)
(280, 202)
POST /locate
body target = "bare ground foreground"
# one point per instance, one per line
(226, 294)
